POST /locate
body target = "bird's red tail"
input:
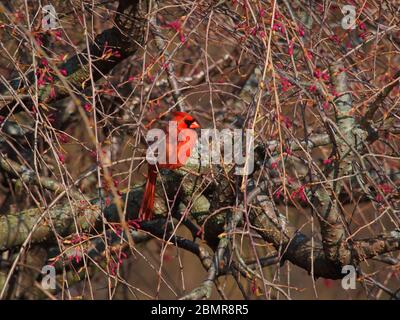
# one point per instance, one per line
(147, 206)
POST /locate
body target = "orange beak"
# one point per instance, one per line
(194, 125)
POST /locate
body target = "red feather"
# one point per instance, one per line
(147, 206)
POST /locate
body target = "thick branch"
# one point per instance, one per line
(329, 208)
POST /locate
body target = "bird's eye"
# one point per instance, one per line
(188, 122)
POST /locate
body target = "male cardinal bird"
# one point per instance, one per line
(177, 152)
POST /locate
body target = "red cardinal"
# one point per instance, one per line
(176, 156)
